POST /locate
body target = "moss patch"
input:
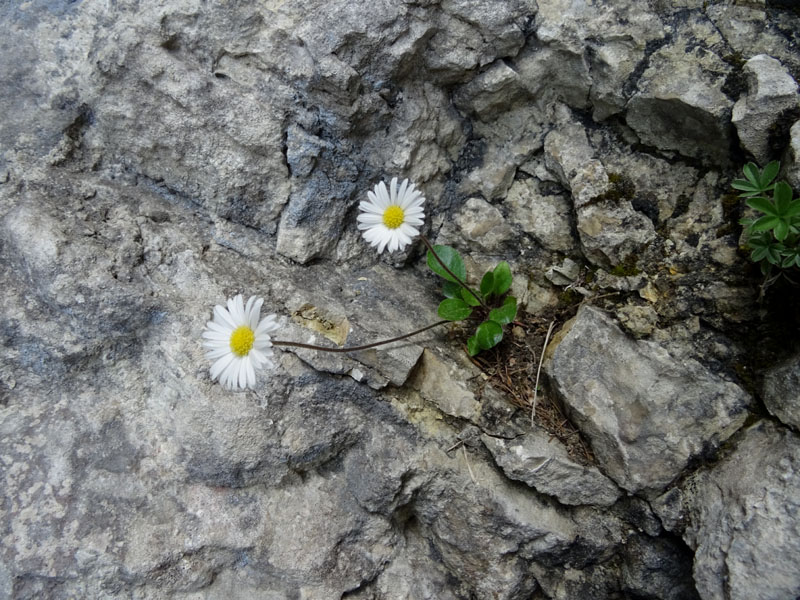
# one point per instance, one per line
(626, 268)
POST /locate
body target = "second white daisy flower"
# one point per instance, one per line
(238, 342)
(391, 217)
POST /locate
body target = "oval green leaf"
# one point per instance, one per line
(783, 197)
(487, 284)
(742, 184)
(506, 313)
(469, 298)
(750, 171)
(453, 309)
(472, 346)
(769, 173)
(489, 334)
(781, 230)
(502, 278)
(450, 257)
(451, 290)
(793, 209)
(766, 222)
(763, 205)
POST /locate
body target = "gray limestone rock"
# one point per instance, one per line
(657, 570)
(546, 217)
(482, 225)
(645, 412)
(570, 156)
(493, 91)
(157, 158)
(611, 233)
(793, 157)
(781, 392)
(741, 518)
(655, 186)
(772, 95)
(590, 52)
(508, 141)
(444, 385)
(544, 465)
(641, 321)
(512, 519)
(472, 35)
(554, 74)
(610, 229)
(750, 29)
(679, 104)
(565, 273)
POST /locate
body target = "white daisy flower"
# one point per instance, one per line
(390, 218)
(238, 342)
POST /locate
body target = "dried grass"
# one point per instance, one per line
(512, 367)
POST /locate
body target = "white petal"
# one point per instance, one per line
(255, 313)
(214, 344)
(256, 357)
(373, 234)
(266, 325)
(409, 231)
(417, 204)
(214, 326)
(381, 244)
(232, 310)
(412, 200)
(217, 353)
(243, 373)
(217, 336)
(381, 196)
(224, 317)
(251, 374)
(393, 190)
(219, 366)
(241, 316)
(401, 193)
(259, 355)
(369, 218)
(371, 207)
(231, 374)
(249, 307)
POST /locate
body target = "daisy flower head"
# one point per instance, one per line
(391, 217)
(238, 342)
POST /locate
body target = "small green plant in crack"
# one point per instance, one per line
(773, 236)
(493, 306)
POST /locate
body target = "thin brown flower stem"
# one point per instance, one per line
(449, 272)
(356, 348)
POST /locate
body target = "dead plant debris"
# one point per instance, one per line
(511, 368)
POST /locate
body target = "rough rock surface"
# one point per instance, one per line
(545, 466)
(742, 518)
(680, 104)
(781, 392)
(770, 104)
(646, 413)
(156, 158)
(793, 156)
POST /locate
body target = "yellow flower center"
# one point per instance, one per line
(393, 217)
(242, 340)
